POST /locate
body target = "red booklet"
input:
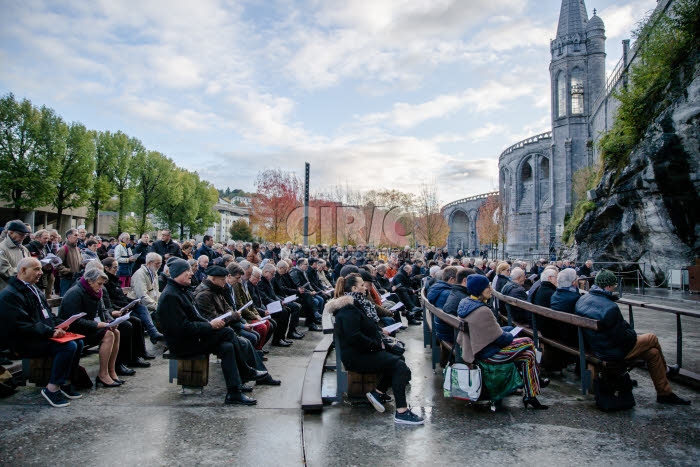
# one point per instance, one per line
(70, 336)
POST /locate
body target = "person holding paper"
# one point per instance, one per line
(187, 332)
(252, 314)
(267, 292)
(261, 300)
(85, 297)
(363, 350)
(284, 286)
(39, 250)
(489, 342)
(27, 325)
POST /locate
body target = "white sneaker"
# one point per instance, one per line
(373, 398)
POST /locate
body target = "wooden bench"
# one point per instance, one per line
(311, 396)
(440, 350)
(190, 372)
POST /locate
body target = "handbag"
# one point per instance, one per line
(500, 379)
(614, 392)
(394, 346)
(462, 382)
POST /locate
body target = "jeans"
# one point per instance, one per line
(66, 358)
(141, 312)
(65, 284)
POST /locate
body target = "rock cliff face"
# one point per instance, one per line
(650, 212)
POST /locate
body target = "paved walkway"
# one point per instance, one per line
(149, 422)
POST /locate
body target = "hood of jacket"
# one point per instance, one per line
(336, 304)
(468, 305)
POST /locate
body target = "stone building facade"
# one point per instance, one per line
(535, 175)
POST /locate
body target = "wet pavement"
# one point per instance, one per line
(150, 422)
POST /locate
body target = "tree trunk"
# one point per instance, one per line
(96, 212)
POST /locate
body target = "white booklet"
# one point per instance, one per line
(226, 316)
(291, 298)
(69, 321)
(392, 327)
(52, 259)
(516, 330)
(396, 307)
(274, 307)
(261, 322)
(118, 321)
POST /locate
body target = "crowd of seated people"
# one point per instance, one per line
(181, 289)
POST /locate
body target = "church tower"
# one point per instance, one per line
(577, 73)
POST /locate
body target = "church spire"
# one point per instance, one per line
(572, 18)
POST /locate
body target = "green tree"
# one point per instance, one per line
(126, 149)
(76, 163)
(240, 230)
(103, 182)
(203, 214)
(174, 210)
(27, 170)
(152, 175)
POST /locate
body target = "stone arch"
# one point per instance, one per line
(459, 221)
(526, 177)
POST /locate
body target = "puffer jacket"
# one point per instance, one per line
(445, 332)
(615, 337)
(438, 293)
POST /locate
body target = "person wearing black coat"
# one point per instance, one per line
(284, 286)
(187, 333)
(85, 297)
(363, 349)
(292, 310)
(564, 299)
(514, 288)
(27, 326)
(542, 297)
(166, 248)
(458, 293)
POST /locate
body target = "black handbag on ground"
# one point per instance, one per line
(614, 392)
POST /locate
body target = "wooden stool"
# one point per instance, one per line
(37, 370)
(361, 383)
(190, 372)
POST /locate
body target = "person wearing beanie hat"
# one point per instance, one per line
(476, 284)
(617, 341)
(187, 332)
(491, 343)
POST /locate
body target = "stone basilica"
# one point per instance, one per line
(535, 175)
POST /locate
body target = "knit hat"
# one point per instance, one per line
(216, 271)
(177, 266)
(476, 284)
(605, 278)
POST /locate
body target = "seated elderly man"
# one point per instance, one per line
(187, 332)
(261, 301)
(145, 285)
(564, 299)
(27, 325)
(616, 340)
(514, 288)
(284, 286)
(267, 293)
(210, 300)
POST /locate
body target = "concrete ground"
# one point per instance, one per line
(150, 422)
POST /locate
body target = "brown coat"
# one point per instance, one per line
(483, 329)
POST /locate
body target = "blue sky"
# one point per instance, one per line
(375, 93)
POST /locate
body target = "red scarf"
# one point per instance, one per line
(91, 292)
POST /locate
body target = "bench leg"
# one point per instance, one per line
(172, 370)
(585, 372)
(341, 377)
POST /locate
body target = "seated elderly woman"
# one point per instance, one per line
(363, 350)
(489, 342)
(84, 297)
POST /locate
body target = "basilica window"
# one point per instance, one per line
(561, 95)
(576, 91)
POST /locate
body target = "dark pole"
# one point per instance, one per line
(306, 204)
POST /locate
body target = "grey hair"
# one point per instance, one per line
(517, 273)
(547, 274)
(153, 256)
(91, 275)
(566, 277)
(124, 235)
(269, 267)
(245, 265)
(256, 271)
(282, 264)
(94, 264)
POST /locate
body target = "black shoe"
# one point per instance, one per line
(672, 399)
(259, 375)
(534, 403)
(239, 398)
(413, 322)
(140, 363)
(99, 382)
(56, 399)
(148, 356)
(70, 393)
(403, 327)
(281, 343)
(245, 388)
(315, 327)
(295, 335)
(269, 381)
(672, 371)
(544, 382)
(265, 352)
(157, 338)
(123, 370)
(383, 397)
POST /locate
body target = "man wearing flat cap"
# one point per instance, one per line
(187, 332)
(12, 250)
(615, 339)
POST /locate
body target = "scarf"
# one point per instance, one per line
(366, 305)
(89, 290)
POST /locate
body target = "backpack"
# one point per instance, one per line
(614, 392)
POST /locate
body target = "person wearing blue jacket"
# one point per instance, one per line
(616, 340)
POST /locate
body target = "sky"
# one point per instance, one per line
(376, 94)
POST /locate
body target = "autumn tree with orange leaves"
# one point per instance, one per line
(488, 222)
(278, 194)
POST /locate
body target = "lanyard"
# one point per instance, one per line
(41, 304)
